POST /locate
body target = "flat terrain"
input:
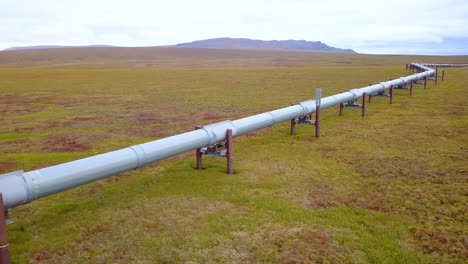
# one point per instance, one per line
(387, 188)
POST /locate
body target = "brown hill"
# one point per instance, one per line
(243, 43)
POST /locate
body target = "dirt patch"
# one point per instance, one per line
(23, 129)
(438, 241)
(44, 255)
(148, 118)
(213, 117)
(90, 231)
(315, 247)
(64, 143)
(9, 99)
(21, 110)
(7, 165)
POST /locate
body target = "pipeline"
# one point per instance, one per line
(22, 187)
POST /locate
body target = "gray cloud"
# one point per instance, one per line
(397, 26)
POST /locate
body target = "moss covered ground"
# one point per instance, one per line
(387, 188)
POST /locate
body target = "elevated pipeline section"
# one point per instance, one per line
(22, 187)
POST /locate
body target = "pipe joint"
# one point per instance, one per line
(140, 155)
(384, 86)
(356, 93)
(274, 119)
(217, 131)
(308, 106)
(14, 189)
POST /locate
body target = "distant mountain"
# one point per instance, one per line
(243, 43)
(55, 47)
(226, 43)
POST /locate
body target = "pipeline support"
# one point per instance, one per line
(363, 104)
(4, 252)
(229, 157)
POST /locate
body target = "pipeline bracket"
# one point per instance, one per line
(418, 82)
(353, 104)
(305, 120)
(380, 94)
(221, 149)
(217, 131)
(401, 87)
(216, 150)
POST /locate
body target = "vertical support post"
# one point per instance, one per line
(4, 252)
(443, 74)
(341, 107)
(293, 126)
(318, 102)
(425, 82)
(199, 155)
(363, 104)
(370, 98)
(229, 156)
(411, 88)
(392, 93)
(436, 75)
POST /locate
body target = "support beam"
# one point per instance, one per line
(317, 122)
(199, 155)
(229, 157)
(363, 104)
(436, 75)
(4, 252)
(293, 126)
(392, 94)
(341, 109)
(411, 88)
(318, 103)
(443, 74)
(425, 82)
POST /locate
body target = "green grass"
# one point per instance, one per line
(388, 188)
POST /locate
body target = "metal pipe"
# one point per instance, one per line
(22, 187)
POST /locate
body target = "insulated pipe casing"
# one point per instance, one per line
(217, 131)
(333, 100)
(14, 189)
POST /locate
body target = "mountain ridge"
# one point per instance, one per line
(221, 43)
(245, 43)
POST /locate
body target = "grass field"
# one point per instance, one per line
(388, 188)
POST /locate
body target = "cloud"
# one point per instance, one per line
(347, 24)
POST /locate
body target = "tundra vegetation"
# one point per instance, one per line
(387, 188)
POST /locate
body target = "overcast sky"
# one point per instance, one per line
(367, 26)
